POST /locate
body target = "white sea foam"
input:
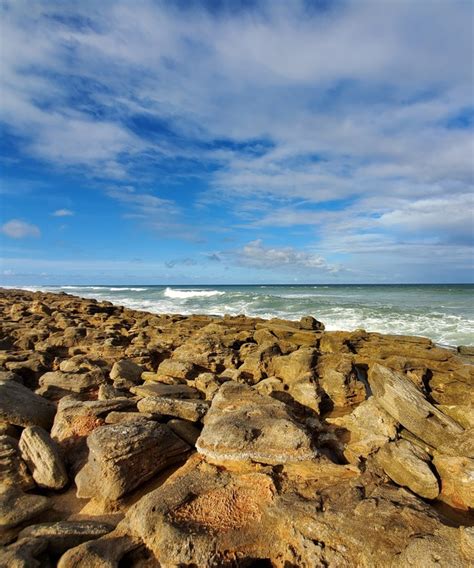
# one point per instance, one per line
(185, 294)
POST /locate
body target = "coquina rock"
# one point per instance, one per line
(243, 424)
(21, 407)
(13, 470)
(408, 465)
(457, 480)
(62, 535)
(43, 458)
(17, 507)
(400, 398)
(192, 410)
(123, 456)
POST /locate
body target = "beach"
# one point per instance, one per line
(166, 439)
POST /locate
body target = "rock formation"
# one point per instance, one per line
(142, 440)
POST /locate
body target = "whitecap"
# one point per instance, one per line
(184, 294)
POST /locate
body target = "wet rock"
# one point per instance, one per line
(17, 507)
(408, 465)
(192, 410)
(43, 458)
(13, 470)
(457, 480)
(123, 456)
(402, 400)
(21, 407)
(243, 425)
(466, 350)
(62, 535)
(309, 322)
(126, 370)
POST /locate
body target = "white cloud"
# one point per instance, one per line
(17, 229)
(256, 255)
(63, 213)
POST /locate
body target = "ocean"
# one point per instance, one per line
(445, 313)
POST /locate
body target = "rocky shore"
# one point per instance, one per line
(142, 440)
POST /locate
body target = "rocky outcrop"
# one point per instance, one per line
(243, 424)
(123, 456)
(227, 441)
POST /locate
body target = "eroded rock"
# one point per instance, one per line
(123, 456)
(243, 424)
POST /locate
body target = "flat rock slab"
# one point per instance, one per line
(407, 465)
(243, 425)
(192, 410)
(123, 456)
(21, 407)
(17, 506)
(396, 394)
(63, 535)
(43, 458)
(168, 391)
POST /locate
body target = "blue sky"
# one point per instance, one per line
(236, 142)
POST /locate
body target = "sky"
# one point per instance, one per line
(188, 142)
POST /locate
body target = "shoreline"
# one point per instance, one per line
(444, 316)
(224, 440)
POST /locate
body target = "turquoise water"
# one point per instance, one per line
(445, 313)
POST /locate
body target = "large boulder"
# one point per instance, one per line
(243, 425)
(21, 407)
(403, 400)
(43, 458)
(408, 465)
(123, 456)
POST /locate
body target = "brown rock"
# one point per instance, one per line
(126, 370)
(369, 427)
(407, 465)
(17, 507)
(178, 369)
(192, 410)
(457, 480)
(400, 398)
(13, 470)
(123, 456)
(62, 535)
(167, 391)
(243, 425)
(21, 407)
(43, 458)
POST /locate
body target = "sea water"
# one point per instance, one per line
(445, 313)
